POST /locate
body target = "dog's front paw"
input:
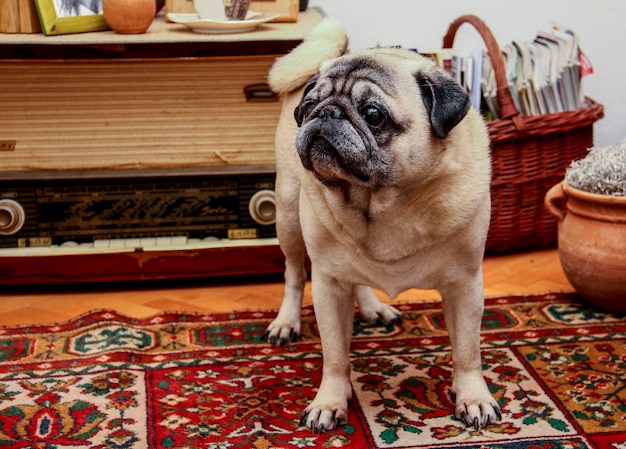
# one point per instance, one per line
(329, 409)
(322, 418)
(281, 332)
(477, 412)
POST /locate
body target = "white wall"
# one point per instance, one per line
(421, 24)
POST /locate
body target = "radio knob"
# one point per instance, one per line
(262, 207)
(12, 217)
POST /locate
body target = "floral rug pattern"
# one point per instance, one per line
(556, 366)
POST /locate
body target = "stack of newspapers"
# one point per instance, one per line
(544, 76)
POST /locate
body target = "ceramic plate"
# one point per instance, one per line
(252, 20)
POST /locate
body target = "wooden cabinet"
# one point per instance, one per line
(165, 105)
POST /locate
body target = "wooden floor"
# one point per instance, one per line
(530, 272)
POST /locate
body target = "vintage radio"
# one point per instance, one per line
(135, 208)
(137, 224)
(139, 157)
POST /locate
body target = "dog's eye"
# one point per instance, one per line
(373, 116)
(308, 107)
(302, 112)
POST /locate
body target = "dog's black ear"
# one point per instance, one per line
(446, 101)
(300, 112)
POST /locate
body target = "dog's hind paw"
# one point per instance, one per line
(280, 334)
(383, 314)
(373, 310)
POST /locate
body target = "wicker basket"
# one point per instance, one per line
(529, 155)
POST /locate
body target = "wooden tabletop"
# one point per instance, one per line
(163, 39)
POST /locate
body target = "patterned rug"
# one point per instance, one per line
(556, 367)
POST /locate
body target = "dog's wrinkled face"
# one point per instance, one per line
(355, 114)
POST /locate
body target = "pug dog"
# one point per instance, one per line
(383, 174)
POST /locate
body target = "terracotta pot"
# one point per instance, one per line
(129, 16)
(592, 243)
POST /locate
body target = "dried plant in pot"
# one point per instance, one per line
(590, 204)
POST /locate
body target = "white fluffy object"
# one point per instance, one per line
(326, 40)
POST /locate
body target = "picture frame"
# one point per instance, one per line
(287, 10)
(54, 21)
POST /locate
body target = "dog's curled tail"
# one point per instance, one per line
(326, 40)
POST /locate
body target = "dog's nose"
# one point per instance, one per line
(332, 112)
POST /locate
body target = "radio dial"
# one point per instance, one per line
(262, 207)
(12, 217)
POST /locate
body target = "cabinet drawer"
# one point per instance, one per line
(118, 114)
